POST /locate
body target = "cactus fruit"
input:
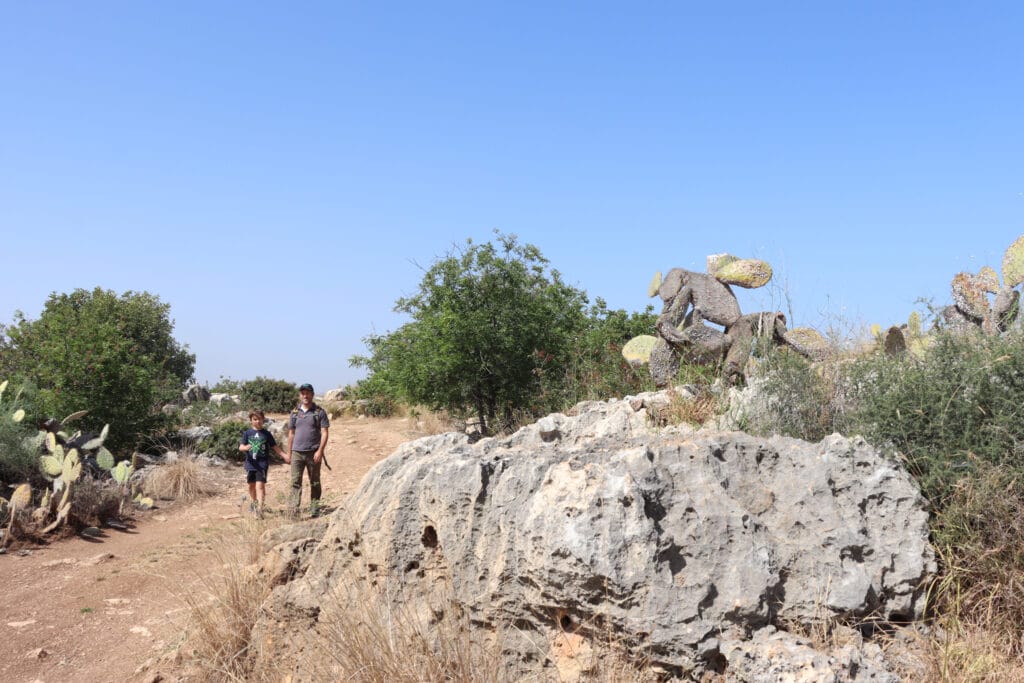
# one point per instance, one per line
(637, 350)
(652, 288)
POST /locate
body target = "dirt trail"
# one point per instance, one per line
(96, 609)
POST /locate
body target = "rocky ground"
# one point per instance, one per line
(99, 608)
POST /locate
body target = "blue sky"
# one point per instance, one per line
(280, 173)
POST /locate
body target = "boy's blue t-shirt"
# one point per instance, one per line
(258, 457)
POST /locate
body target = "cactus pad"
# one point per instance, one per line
(21, 497)
(652, 288)
(969, 295)
(637, 350)
(74, 416)
(989, 279)
(3, 385)
(121, 472)
(895, 343)
(104, 458)
(98, 441)
(718, 261)
(1013, 263)
(52, 467)
(808, 342)
(749, 273)
(876, 331)
(18, 415)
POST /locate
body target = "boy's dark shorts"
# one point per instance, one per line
(253, 476)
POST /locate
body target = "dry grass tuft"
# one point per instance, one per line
(694, 410)
(224, 606)
(180, 480)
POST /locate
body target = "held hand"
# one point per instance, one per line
(318, 456)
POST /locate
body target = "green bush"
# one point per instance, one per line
(113, 355)
(225, 439)
(961, 403)
(270, 395)
(226, 385)
(19, 460)
(791, 398)
(380, 398)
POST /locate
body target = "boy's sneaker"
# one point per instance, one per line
(315, 510)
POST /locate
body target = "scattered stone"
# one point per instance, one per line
(37, 653)
(92, 531)
(142, 631)
(233, 516)
(117, 601)
(96, 559)
(21, 624)
(58, 563)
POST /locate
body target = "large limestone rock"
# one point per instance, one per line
(681, 542)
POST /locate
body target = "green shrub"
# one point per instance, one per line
(19, 460)
(226, 385)
(225, 440)
(113, 355)
(791, 398)
(961, 403)
(270, 395)
(375, 397)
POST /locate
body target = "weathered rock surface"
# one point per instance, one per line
(678, 541)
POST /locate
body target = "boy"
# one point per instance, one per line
(257, 443)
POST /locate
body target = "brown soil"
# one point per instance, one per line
(100, 609)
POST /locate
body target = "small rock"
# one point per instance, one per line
(21, 624)
(142, 631)
(96, 559)
(117, 601)
(58, 563)
(92, 531)
(114, 524)
(236, 516)
(38, 653)
(160, 518)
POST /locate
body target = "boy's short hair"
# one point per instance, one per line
(256, 412)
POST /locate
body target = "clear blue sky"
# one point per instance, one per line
(276, 171)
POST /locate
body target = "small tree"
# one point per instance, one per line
(485, 321)
(113, 355)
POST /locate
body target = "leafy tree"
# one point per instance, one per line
(271, 395)
(111, 355)
(485, 322)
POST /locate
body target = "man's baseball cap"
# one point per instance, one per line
(306, 386)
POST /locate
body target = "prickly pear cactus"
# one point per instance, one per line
(655, 285)
(748, 273)
(969, 295)
(1013, 263)
(122, 472)
(637, 350)
(808, 342)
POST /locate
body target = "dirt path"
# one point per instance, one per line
(96, 609)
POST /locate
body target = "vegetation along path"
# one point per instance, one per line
(105, 608)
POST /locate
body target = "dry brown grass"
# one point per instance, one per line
(179, 480)
(694, 410)
(224, 605)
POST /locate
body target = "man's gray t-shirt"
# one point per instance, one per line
(307, 425)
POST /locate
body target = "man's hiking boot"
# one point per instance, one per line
(315, 510)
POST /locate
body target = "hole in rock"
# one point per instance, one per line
(429, 537)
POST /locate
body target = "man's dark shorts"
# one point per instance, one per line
(253, 476)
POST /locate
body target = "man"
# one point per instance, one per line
(307, 438)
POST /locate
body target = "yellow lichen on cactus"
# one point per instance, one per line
(876, 331)
(970, 296)
(807, 341)
(988, 279)
(21, 497)
(637, 350)
(748, 273)
(1013, 263)
(655, 285)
